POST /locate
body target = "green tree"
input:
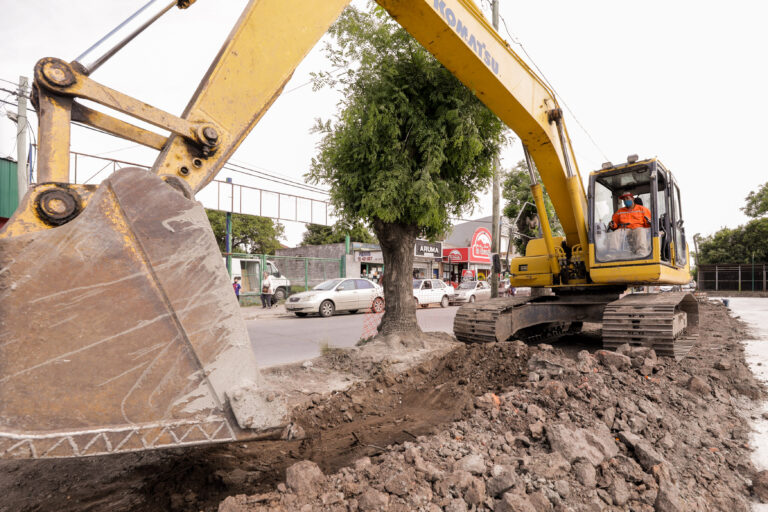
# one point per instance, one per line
(757, 202)
(317, 234)
(516, 191)
(736, 245)
(251, 234)
(411, 148)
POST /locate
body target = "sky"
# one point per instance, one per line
(677, 80)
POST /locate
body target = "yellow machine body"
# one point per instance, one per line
(120, 328)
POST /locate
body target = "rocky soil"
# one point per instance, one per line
(504, 426)
(572, 431)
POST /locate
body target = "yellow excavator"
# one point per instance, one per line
(120, 331)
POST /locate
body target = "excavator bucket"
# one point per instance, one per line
(119, 329)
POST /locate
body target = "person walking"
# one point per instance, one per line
(236, 286)
(267, 289)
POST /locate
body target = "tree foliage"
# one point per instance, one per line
(739, 245)
(250, 234)
(411, 146)
(317, 234)
(736, 245)
(757, 202)
(516, 191)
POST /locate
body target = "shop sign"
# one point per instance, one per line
(480, 250)
(369, 256)
(467, 274)
(456, 255)
(427, 249)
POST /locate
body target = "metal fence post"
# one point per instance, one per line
(306, 274)
(739, 276)
(342, 266)
(717, 275)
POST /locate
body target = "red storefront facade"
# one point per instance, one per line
(469, 262)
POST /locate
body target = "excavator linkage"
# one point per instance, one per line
(120, 330)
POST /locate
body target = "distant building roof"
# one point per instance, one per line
(461, 235)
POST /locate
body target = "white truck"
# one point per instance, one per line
(250, 273)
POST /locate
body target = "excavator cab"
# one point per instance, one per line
(654, 252)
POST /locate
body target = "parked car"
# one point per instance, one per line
(471, 291)
(432, 291)
(250, 273)
(337, 295)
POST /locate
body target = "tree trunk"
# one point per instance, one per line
(397, 241)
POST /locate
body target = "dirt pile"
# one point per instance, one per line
(546, 430)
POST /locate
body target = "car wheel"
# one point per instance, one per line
(471, 299)
(301, 315)
(425, 306)
(378, 305)
(352, 311)
(327, 309)
(279, 294)
(444, 302)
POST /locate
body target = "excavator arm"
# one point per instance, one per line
(120, 330)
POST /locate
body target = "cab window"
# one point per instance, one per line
(616, 243)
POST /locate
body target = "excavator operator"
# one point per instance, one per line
(628, 220)
(631, 216)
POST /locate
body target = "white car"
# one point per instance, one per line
(337, 295)
(432, 291)
(471, 291)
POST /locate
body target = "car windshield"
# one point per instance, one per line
(416, 284)
(467, 285)
(327, 285)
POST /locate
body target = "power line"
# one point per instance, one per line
(517, 41)
(299, 186)
(287, 180)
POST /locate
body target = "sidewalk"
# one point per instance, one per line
(256, 311)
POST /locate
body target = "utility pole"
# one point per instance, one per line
(495, 231)
(21, 139)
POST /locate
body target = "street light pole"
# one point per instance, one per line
(495, 231)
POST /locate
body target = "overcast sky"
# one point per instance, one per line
(681, 80)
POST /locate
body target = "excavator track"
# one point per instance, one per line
(665, 322)
(478, 322)
(530, 319)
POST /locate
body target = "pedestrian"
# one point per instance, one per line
(267, 289)
(236, 286)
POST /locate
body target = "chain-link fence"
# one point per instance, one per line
(290, 274)
(744, 278)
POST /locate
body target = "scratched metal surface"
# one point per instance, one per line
(122, 318)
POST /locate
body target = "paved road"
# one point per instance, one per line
(288, 339)
(754, 311)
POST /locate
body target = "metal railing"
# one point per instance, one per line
(294, 273)
(733, 277)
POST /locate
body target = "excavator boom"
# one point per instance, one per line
(120, 331)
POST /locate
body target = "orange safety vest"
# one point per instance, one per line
(631, 218)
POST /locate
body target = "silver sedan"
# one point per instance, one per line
(470, 291)
(337, 295)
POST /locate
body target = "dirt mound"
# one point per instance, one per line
(501, 426)
(602, 431)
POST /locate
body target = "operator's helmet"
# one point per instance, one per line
(627, 195)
